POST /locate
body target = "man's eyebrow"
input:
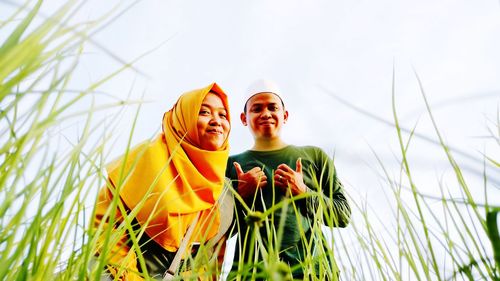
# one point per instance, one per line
(261, 103)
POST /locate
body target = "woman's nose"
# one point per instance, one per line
(215, 120)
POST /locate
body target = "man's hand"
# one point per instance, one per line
(284, 176)
(249, 182)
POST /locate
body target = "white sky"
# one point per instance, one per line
(346, 47)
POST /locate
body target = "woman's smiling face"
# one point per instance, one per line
(213, 123)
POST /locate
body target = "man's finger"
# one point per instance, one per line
(260, 176)
(298, 167)
(255, 170)
(239, 170)
(285, 168)
(262, 183)
(279, 173)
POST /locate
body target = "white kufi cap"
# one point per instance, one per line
(262, 86)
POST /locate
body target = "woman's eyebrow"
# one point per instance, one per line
(209, 106)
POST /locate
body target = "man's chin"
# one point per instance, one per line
(269, 135)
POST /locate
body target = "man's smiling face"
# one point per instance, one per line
(265, 114)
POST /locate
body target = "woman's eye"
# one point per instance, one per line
(223, 115)
(204, 112)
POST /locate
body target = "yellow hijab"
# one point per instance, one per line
(172, 177)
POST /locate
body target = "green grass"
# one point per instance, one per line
(44, 189)
(46, 225)
(426, 237)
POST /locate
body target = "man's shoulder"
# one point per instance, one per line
(308, 148)
(311, 152)
(241, 155)
(305, 147)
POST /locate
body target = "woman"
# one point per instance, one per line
(162, 187)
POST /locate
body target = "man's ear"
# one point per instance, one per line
(285, 116)
(243, 119)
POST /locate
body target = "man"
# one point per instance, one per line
(301, 186)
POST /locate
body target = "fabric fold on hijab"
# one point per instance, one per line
(169, 180)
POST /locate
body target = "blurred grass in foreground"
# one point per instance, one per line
(43, 190)
(445, 237)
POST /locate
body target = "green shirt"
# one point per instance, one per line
(323, 187)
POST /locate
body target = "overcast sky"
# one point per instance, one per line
(320, 53)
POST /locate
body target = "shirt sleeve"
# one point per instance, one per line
(119, 254)
(327, 196)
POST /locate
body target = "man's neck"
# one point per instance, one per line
(268, 144)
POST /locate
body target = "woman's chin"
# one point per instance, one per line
(212, 146)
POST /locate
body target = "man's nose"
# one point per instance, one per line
(266, 114)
